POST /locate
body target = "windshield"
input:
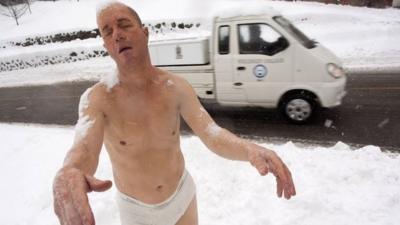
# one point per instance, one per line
(290, 28)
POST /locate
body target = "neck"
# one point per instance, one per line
(137, 75)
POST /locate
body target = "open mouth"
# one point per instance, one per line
(124, 49)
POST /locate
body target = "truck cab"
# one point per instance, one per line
(265, 61)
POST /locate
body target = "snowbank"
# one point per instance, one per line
(335, 185)
(365, 39)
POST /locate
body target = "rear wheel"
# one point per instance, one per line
(298, 108)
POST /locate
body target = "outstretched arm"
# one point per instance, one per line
(75, 179)
(228, 145)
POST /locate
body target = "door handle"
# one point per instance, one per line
(241, 68)
(238, 84)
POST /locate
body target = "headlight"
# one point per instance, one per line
(334, 70)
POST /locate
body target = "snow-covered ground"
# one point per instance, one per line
(365, 39)
(335, 185)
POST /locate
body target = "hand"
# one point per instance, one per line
(71, 203)
(265, 160)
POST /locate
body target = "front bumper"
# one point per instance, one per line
(331, 94)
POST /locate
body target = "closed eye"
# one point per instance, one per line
(107, 32)
(125, 26)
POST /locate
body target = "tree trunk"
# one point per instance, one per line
(16, 18)
(29, 6)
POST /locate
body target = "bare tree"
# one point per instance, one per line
(13, 10)
(28, 3)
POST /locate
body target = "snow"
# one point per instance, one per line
(84, 122)
(213, 129)
(110, 80)
(84, 101)
(170, 83)
(82, 126)
(335, 185)
(365, 39)
(250, 9)
(102, 5)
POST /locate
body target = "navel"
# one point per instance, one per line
(159, 187)
(122, 142)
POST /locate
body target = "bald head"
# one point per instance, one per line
(109, 4)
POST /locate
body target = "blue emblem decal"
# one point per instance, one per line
(260, 71)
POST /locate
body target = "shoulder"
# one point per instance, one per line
(175, 81)
(94, 91)
(94, 95)
(181, 88)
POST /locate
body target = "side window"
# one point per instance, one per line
(259, 38)
(223, 40)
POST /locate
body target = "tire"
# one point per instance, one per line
(298, 108)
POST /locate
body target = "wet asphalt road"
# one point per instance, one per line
(369, 115)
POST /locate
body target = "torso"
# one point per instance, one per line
(141, 135)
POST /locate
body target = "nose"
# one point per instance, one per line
(118, 36)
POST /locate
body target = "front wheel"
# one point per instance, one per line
(298, 108)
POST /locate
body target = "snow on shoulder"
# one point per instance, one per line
(250, 9)
(110, 80)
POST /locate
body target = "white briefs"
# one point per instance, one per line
(168, 212)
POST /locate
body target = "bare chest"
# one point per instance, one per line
(148, 121)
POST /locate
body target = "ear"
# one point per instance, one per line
(146, 31)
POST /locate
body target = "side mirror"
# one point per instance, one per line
(277, 46)
(283, 43)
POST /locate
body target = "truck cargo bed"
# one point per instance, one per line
(180, 52)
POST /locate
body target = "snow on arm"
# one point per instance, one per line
(84, 102)
(169, 83)
(84, 122)
(202, 112)
(213, 129)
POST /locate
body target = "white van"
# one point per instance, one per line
(257, 60)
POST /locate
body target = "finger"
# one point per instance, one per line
(81, 204)
(282, 188)
(283, 185)
(284, 182)
(291, 188)
(97, 185)
(279, 187)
